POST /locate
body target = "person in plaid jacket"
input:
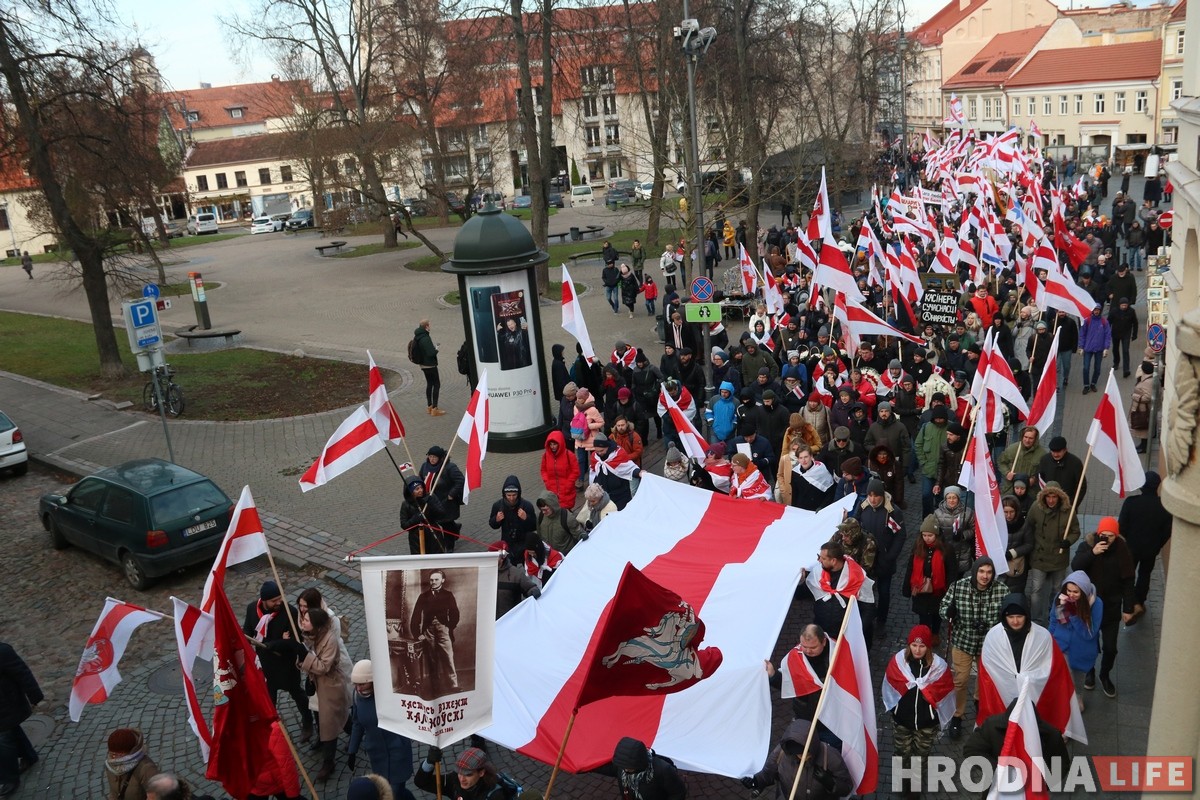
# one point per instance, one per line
(972, 606)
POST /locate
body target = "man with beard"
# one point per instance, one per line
(970, 606)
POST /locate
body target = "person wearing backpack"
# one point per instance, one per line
(424, 353)
(474, 777)
(556, 526)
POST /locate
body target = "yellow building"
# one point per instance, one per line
(1173, 46)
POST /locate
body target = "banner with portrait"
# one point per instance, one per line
(431, 631)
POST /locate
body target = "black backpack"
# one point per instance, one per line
(464, 360)
(413, 355)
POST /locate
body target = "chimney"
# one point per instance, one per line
(205, 85)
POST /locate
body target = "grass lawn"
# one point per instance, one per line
(374, 248)
(525, 213)
(172, 290)
(429, 263)
(236, 384)
(183, 241)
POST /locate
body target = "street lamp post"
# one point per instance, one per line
(903, 111)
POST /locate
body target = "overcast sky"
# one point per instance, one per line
(190, 46)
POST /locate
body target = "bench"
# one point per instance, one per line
(590, 230)
(335, 246)
(191, 333)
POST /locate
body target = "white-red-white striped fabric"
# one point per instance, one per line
(694, 445)
(1112, 442)
(244, 540)
(473, 429)
(572, 316)
(97, 675)
(936, 685)
(978, 473)
(749, 272)
(799, 679)
(1066, 295)
(833, 272)
(1018, 774)
(820, 222)
(380, 405)
(849, 710)
(193, 640)
(737, 564)
(1045, 397)
(354, 441)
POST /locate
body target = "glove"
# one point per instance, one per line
(290, 647)
(351, 760)
(535, 593)
(824, 777)
(418, 518)
(750, 783)
(434, 756)
(952, 612)
(584, 537)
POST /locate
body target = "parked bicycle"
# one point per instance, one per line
(170, 391)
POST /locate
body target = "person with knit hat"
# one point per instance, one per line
(853, 482)
(643, 774)
(128, 767)
(918, 692)
(823, 776)
(746, 482)
(1105, 557)
(474, 777)
(266, 621)
(449, 488)
(426, 518)
(970, 607)
(930, 438)
(928, 575)
(390, 754)
(956, 525)
(514, 517)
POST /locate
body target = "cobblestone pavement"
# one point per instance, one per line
(287, 299)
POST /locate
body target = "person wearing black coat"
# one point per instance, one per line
(806, 491)
(19, 693)
(560, 375)
(278, 658)
(426, 512)
(1063, 467)
(1146, 527)
(450, 483)
(1107, 560)
(1068, 343)
(884, 521)
(1123, 324)
(1037, 349)
(987, 741)
(515, 518)
(643, 774)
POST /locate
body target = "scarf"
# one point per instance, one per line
(1064, 610)
(936, 685)
(852, 582)
(750, 486)
(632, 782)
(123, 765)
(594, 511)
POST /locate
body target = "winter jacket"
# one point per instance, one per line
(913, 711)
(19, 690)
(1139, 400)
(328, 664)
(430, 510)
(1144, 523)
(424, 349)
(930, 439)
(513, 585)
(752, 362)
(513, 529)
(1080, 643)
(1018, 455)
(723, 413)
(877, 523)
(819, 420)
(890, 432)
(772, 422)
(890, 470)
(1065, 473)
(957, 529)
(1112, 571)
(1122, 322)
(560, 470)
(805, 495)
(1119, 287)
(780, 768)
(558, 528)
(1096, 335)
(1052, 539)
(450, 482)
(950, 460)
(278, 775)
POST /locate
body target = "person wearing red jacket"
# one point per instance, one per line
(560, 469)
(277, 777)
(984, 305)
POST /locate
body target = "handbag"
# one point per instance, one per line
(1016, 566)
(310, 688)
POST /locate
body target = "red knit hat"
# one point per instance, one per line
(921, 633)
(1108, 525)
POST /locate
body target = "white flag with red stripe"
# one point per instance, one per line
(97, 675)
(736, 564)
(380, 405)
(572, 316)
(693, 443)
(244, 540)
(1019, 769)
(1045, 398)
(354, 441)
(772, 295)
(936, 685)
(820, 222)
(194, 641)
(1112, 442)
(473, 429)
(749, 272)
(849, 710)
(979, 475)
(1064, 294)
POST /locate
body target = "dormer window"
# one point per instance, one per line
(193, 116)
(236, 113)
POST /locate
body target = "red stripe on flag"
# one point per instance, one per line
(687, 569)
(364, 432)
(90, 686)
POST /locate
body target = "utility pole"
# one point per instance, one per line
(903, 109)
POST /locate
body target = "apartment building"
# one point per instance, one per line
(1174, 50)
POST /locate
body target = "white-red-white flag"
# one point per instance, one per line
(978, 474)
(1045, 398)
(1019, 769)
(380, 405)
(1112, 442)
(772, 295)
(572, 316)
(749, 272)
(820, 222)
(1066, 295)
(693, 443)
(858, 321)
(1034, 130)
(849, 710)
(354, 441)
(244, 540)
(936, 685)
(833, 271)
(193, 640)
(97, 675)
(473, 429)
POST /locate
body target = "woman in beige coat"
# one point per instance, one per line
(328, 665)
(1139, 405)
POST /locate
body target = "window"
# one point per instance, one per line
(972, 109)
(481, 135)
(612, 134)
(1180, 36)
(593, 135)
(429, 169)
(193, 116)
(1119, 102)
(1176, 88)
(350, 166)
(120, 505)
(715, 154)
(385, 162)
(236, 113)
(1062, 104)
(87, 495)
(3, 219)
(987, 108)
(589, 106)
(456, 139)
(595, 170)
(331, 169)
(222, 181)
(1098, 103)
(202, 183)
(1046, 106)
(1078, 104)
(1016, 107)
(239, 178)
(610, 104)
(264, 176)
(1140, 103)
(614, 168)
(483, 165)
(285, 173)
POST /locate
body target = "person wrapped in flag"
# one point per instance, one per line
(833, 580)
(918, 690)
(613, 470)
(746, 481)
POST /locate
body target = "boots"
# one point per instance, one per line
(434, 411)
(306, 731)
(328, 750)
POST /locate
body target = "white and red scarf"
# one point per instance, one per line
(616, 463)
(750, 485)
(721, 473)
(853, 582)
(936, 685)
(625, 359)
(538, 570)
(799, 677)
(817, 475)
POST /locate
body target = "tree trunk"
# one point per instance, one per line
(378, 196)
(86, 248)
(530, 136)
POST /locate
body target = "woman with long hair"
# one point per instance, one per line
(328, 666)
(1075, 625)
(928, 576)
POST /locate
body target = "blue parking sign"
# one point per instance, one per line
(142, 313)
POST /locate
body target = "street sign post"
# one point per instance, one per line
(1156, 337)
(701, 312)
(150, 290)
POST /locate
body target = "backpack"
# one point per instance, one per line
(505, 787)
(413, 355)
(464, 360)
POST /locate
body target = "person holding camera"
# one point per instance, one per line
(1108, 562)
(971, 607)
(823, 776)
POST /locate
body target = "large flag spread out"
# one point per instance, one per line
(354, 441)
(735, 563)
(849, 711)
(473, 429)
(380, 405)
(97, 674)
(572, 316)
(193, 640)
(647, 643)
(1019, 773)
(1112, 442)
(1045, 398)
(244, 541)
(242, 708)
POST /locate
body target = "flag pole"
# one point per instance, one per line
(841, 637)
(437, 768)
(562, 748)
(286, 606)
(296, 756)
(1078, 487)
(971, 430)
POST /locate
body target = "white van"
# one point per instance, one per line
(202, 223)
(582, 196)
